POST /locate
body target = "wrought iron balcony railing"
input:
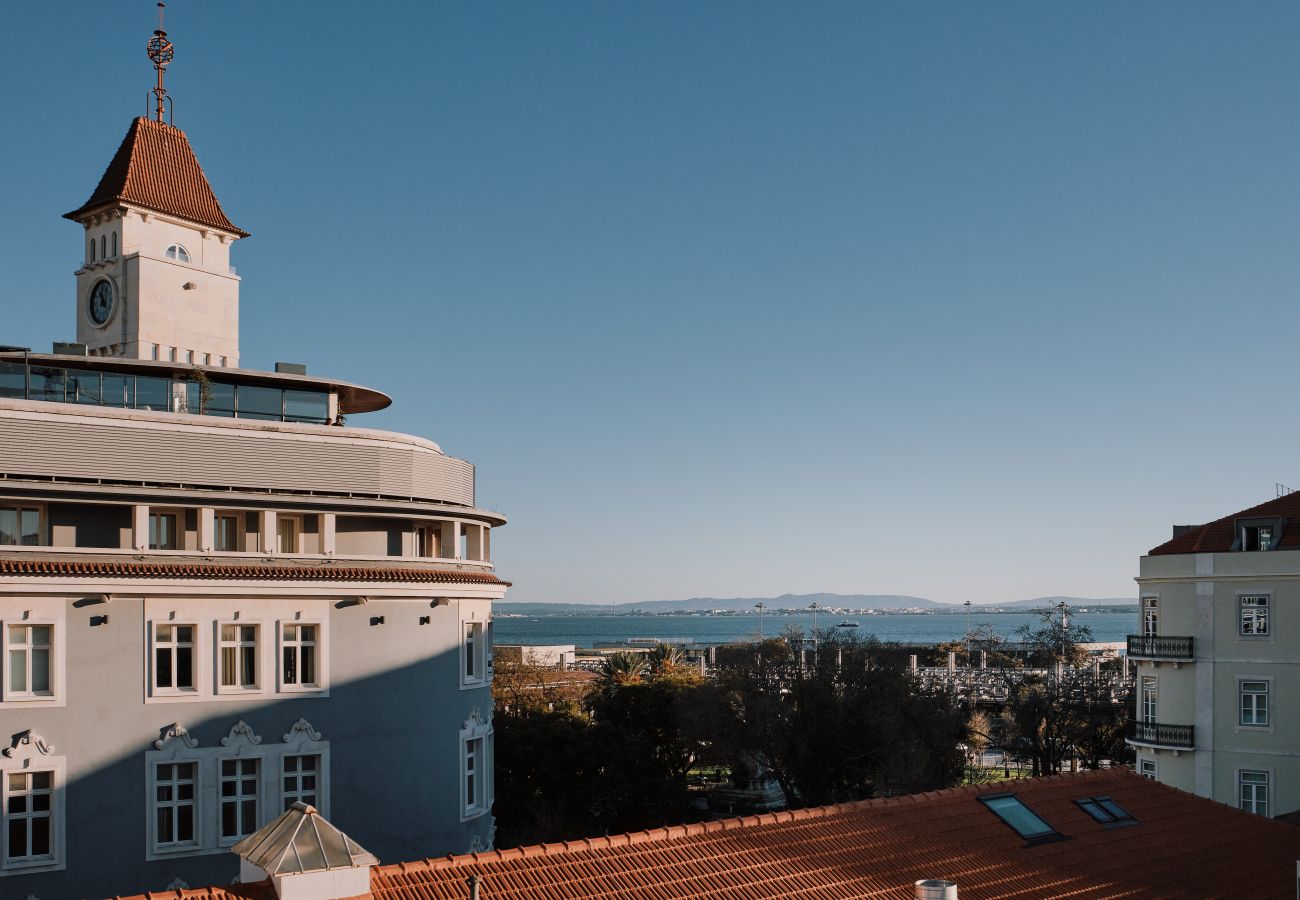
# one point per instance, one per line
(1159, 646)
(1159, 734)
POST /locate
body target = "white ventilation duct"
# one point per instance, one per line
(936, 889)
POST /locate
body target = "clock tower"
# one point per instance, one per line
(156, 282)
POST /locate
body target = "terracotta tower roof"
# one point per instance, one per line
(156, 168)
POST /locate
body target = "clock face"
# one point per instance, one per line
(101, 302)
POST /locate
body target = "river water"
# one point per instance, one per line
(905, 628)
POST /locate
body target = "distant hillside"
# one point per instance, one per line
(1040, 602)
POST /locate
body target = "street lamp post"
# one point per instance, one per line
(814, 609)
(968, 636)
(1064, 621)
(760, 607)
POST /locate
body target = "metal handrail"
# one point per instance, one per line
(1182, 736)
(1160, 646)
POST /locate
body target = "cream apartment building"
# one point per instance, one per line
(1218, 659)
(220, 593)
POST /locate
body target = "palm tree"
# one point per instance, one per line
(623, 667)
(663, 658)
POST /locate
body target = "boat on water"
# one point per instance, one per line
(847, 624)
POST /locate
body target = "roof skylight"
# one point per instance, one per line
(1106, 811)
(1027, 823)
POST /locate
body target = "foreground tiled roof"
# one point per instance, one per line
(1218, 536)
(1181, 846)
(46, 568)
(156, 168)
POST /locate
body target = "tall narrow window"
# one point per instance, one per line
(114, 243)
(1150, 616)
(430, 538)
(20, 526)
(28, 666)
(103, 246)
(1254, 615)
(174, 804)
(173, 658)
(238, 797)
(92, 249)
(238, 654)
(298, 655)
(302, 779)
(1254, 703)
(226, 532)
(474, 651)
(1150, 698)
(288, 530)
(1253, 789)
(29, 817)
(162, 531)
(473, 774)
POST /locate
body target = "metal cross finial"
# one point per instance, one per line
(161, 51)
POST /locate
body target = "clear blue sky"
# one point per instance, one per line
(964, 300)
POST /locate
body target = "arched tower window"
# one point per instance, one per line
(178, 253)
(92, 249)
(103, 246)
(115, 243)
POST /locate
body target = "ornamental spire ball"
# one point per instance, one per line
(161, 51)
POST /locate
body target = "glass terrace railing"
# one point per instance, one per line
(149, 392)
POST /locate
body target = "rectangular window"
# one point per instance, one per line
(20, 526)
(473, 652)
(288, 531)
(1254, 792)
(474, 769)
(227, 535)
(1257, 537)
(1150, 616)
(173, 657)
(162, 531)
(298, 655)
(1254, 615)
(1147, 769)
(1254, 703)
(302, 779)
(430, 540)
(175, 790)
(29, 817)
(238, 656)
(28, 663)
(1149, 700)
(238, 797)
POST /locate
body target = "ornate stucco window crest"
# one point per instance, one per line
(301, 730)
(241, 733)
(27, 744)
(176, 732)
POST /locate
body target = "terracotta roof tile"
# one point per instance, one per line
(1182, 846)
(155, 167)
(1218, 536)
(44, 568)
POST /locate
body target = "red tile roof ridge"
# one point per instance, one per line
(114, 569)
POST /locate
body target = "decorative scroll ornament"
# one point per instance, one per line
(475, 722)
(24, 741)
(301, 729)
(176, 732)
(241, 731)
(178, 884)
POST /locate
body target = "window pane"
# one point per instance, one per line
(41, 671)
(185, 824)
(153, 393)
(306, 406)
(13, 381)
(259, 402)
(164, 824)
(17, 838)
(185, 667)
(290, 666)
(1020, 817)
(40, 635)
(41, 781)
(31, 527)
(308, 664)
(228, 666)
(163, 667)
(8, 525)
(249, 671)
(222, 401)
(18, 670)
(41, 836)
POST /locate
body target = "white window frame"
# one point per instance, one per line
(178, 253)
(29, 753)
(1266, 784)
(259, 655)
(296, 519)
(1265, 726)
(321, 685)
(169, 848)
(238, 798)
(476, 743)
(1270, 626)
(476, 671)
(1150, 766)
(299, 793)
(240, 530)
(42, 611)
(1148, 698)
(178, 515)
(1150, 615)
(42, 526)
(196, 645)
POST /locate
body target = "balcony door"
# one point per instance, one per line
(1150, 616)
(1148, 700)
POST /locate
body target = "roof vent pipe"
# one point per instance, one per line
(936, 889)
(472, 881)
